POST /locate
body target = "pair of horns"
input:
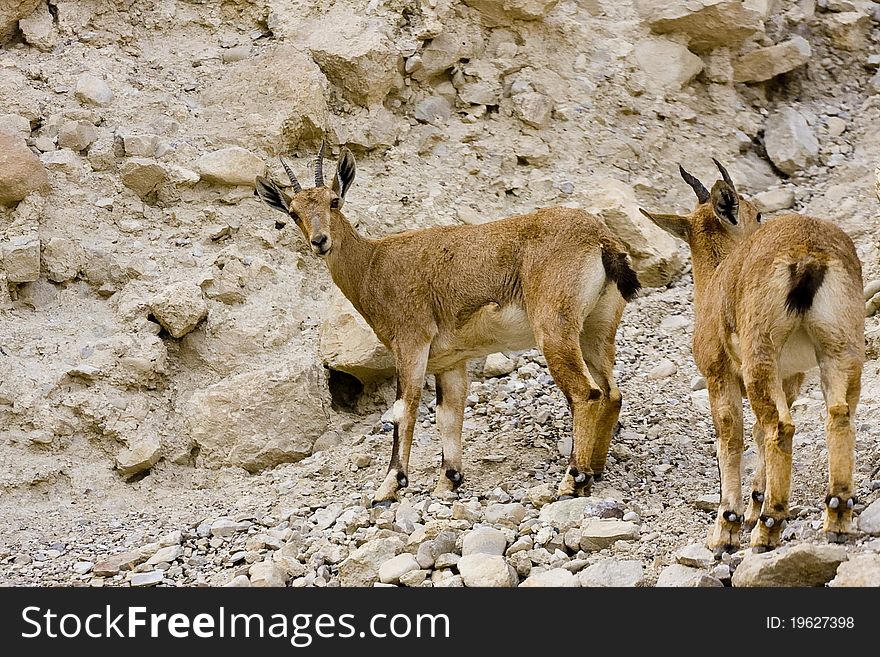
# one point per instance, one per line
(698, 187)
(319, 170)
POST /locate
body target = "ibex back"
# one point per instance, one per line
(771, 301)
(556, 278)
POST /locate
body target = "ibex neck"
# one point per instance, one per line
(349, 259)
(707, 256)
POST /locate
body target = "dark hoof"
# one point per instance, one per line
(597, 476)
(383, 504)
(455, 477)
(760, 549)
(565, 497)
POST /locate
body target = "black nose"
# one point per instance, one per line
(320, 242)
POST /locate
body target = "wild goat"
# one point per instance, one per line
(439, 296)
(772, 301)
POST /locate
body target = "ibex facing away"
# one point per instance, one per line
(439, 296)
(772, 301)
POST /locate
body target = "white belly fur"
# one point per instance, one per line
(490, 329)
(798, 353)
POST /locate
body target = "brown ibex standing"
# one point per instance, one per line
(439, 296)
(772, 301)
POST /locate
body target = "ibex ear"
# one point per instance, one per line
(271, 194)
(725, 202)
(345, 170)
(675, 225)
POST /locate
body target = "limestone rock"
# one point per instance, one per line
(259, 419)
(361, 568)
(533, 108)
(790, 142)
(848, 30)
(863, 570)
(766, 63)
(179, 308)
(869, 519)
(567, 513)
(482, 570)
(268, 573)
(141, 454)
(358, 59)
(392, 570)
(231, 166)
(348, 344)
(774, 200)
(447, 49)
(21, 172)
(707, 24)
(554, 578)
(15, 125)
(38, 29)
(496, 13)
(599, 533)
(21, 258)
(93, 90)
(11, 13)
(498, 365)
(611, 572)
(63, 259)
(484, 540)
(678, 576)
(668, 66)
(434, 110)
(797, 565)
(144, 176)
(655, 254)
(695, 555)
(167, 554)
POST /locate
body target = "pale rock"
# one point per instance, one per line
(38, 29)
(361, 568)
(796, 565)
(862, 570)
(147, 579)
(235, 54)
(348, 344)
(766, 63)
(498, 365)
(359, 459)
(434, 110)
(239, 581)
(261, 418)
(835, 125)
(708, 502)
(496, 13)
(541, 495)
(479, 93)
(366, 129)
(230, 166)
(83, 567)
(553, 578)
(790, 142)
(15, 125)
(143, 176)
(678, 576)
(447, 560)
(11, 13)
(566, 513)
(869, 519)
(695, 555)
(392, 570)
(109, 566)
(141, 453)
(662, 370)
(358, 59)
(599, 533)
(655, 254)
(774, 200)
(447, 49)
(21, 172)
(93, 90)
(486, 570)
(168, 554)
(455, 581)
(668, 66)
(532, 149)
(533, 108)
(76, 135)
(613, 573)
(707, 24)
(414, 578)
(63, 259)
(324, 518)
(268, 573)
(484, 540)
(505, 514)
(224, 527)
(179, 308)
(848, 30)
(63, 160)
(21, 257)
(140, 145)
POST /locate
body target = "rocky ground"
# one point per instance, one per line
(184, 400)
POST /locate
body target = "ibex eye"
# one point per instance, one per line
(334, 204)
(759, 217)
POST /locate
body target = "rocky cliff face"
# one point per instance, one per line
(153, 319)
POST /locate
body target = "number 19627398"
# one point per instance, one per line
(810, 623)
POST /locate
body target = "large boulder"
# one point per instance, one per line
(766, 63)
(21, 259)
(707, 24)
(21, 172)
(798, 565)
(348, 344)
(790, 142)
(12, 11)
(667, 65)
(260, 419)
(655, 254)
(179, 308)
(268, 102)
(863, 570)
(230, 166)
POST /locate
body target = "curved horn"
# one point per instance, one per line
(724, 175)
(701, 192)
(293, 181)
(319, 166)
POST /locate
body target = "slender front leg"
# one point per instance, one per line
(725, 398)
(411, 366)
(452, 388)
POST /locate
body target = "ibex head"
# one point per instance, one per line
(311, 209)
(721, 213)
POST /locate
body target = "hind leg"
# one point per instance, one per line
(598, 349)
(791, 386)
(452, 387)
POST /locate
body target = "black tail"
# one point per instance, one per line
(806, 279)
(618, 269)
